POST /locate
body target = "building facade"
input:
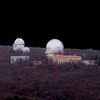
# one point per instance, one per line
(60, 59)
(19, 59)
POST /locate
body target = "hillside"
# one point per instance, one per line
(48, 81)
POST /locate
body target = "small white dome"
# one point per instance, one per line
(26, 50)
(19, 41)
(54, 46)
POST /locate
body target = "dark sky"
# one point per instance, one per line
(75, 28)
(70, 38)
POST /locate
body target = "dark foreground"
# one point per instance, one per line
(48, 82)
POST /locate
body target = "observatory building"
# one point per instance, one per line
(55, 51)
(19, 44)
(21, 53)
(60, 59)
(53, 47)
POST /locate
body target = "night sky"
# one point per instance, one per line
(76, 30)
(70, 38)
(75, 27)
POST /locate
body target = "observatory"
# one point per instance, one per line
(55, 51)
(54, 46)
(19, 44)
(21, 52)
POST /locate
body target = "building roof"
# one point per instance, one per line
(54, 46)
(19, 41)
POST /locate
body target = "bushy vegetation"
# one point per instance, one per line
(48, 81)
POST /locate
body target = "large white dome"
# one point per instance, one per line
(54, 46)
(19, 41)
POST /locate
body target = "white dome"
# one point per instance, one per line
(19, 41)
(54, 46)
(26, 50)
(18, 45)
